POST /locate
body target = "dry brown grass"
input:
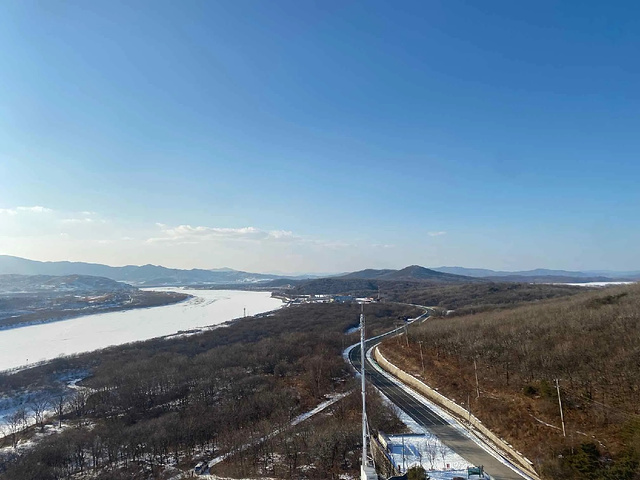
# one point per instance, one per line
(590, 342)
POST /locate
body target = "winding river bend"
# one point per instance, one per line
(35, 343)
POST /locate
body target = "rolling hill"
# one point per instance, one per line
(542, 275)
(145, 275)
(80, 284)
(29, 299)
(412, 273)
(367, 282)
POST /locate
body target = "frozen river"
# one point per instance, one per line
(34, 343)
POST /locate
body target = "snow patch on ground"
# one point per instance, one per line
(426, 450)
(445, 463)
(300, 418)
(49, 429)
(595, 284)
(46, 397)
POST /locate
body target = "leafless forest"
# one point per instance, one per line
(589, 342)
(149, 408)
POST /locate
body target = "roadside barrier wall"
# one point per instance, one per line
(459, 412)
(381, 458)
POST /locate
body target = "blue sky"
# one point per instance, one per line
(321, 136)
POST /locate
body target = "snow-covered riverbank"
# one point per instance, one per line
(35, 343)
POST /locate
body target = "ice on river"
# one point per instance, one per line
(34, 343)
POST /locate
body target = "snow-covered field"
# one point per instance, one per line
(596, 284)
(34, 343)
(426, 450)
(423, 448)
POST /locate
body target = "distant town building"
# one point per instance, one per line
(343, 298)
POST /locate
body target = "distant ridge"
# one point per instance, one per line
(411, 273)
(145, 275)
(156, 275)
(542, 275)
(368, 274)
(12, 283)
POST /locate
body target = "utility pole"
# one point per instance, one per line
(475, 367)
(362, 385)
(421, 356)
(564, 432)
(245, 312)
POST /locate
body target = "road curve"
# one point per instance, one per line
(427, 418)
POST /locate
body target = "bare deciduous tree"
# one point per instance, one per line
(39, 406)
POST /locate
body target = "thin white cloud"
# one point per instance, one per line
(35, 209)
(191, 234)
(436, 234)
(77, 220)
(16, 210)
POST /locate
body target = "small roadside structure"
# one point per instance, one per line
(476, 472)
(200, 468)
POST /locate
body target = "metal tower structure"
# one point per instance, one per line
(367, 472)
(363, 389)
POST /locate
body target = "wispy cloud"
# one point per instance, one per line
(82, 218)
(77, 220)
(191, 235)
(197, 234)
(35, 209)
(436, 234)
(16, 210)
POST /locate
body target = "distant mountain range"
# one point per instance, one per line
(461, 274)
(155, 275)
(145, 275)
(567, 275)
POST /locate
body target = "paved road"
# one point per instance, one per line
(427, 418)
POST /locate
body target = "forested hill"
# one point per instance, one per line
(154, 409)
(589, 342)
(541, 273)
(370, 281)
(411, 273)
(416, 273)
(12, 284)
